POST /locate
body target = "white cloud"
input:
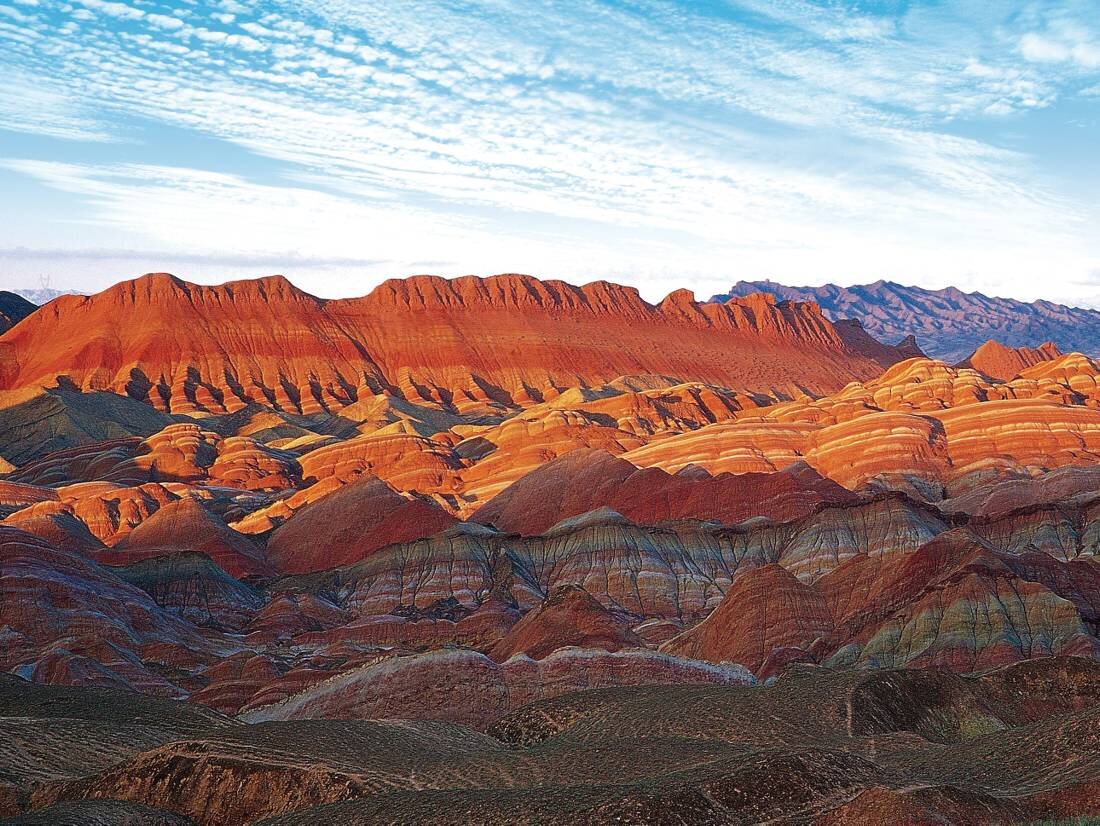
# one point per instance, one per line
(164, 21)
(1066, 43)
(120, 10)
(1036, 47)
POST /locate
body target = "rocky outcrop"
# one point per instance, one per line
(956, 602)
(193, 586)
(404, 462)
(997, 361)
(586, 480)
(678, 571)
(59, 608)
(176, 453)
(58, 527)
(36, 422)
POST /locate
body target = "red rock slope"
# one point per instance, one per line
(468, 341)
(1004, 363)
(586, 480)
(570, 616)
(347, 525)
(765, 613)
(186, 525)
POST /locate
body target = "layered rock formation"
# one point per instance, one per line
(568, 617)
(186, 524)
(472, 689)
(919, 422)
(765, 615)
(586, 480)
(66, 619)
(452, 498)
(348, 524)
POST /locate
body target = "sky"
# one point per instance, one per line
(657, 144)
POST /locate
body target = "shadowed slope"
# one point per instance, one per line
(13, 309)
(34, 424)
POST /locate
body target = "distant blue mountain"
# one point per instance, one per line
(43, 295)
(948, 324)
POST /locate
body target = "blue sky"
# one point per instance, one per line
(653, 143)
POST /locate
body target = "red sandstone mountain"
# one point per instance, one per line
(345, 526)
(569, 616)
(468, 341)
(1000, 362)
(627, 474)
(586, 480)
(765, 613)
(186, 525)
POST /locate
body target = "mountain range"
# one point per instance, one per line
(42, 295)
(499, 549)
(467, 341)
(948, 324)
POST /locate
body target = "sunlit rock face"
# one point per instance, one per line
(349, 524)
(586, 480)
(187, 525)
(1000, 362)
(921, 425)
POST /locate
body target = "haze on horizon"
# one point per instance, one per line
(657, 144)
